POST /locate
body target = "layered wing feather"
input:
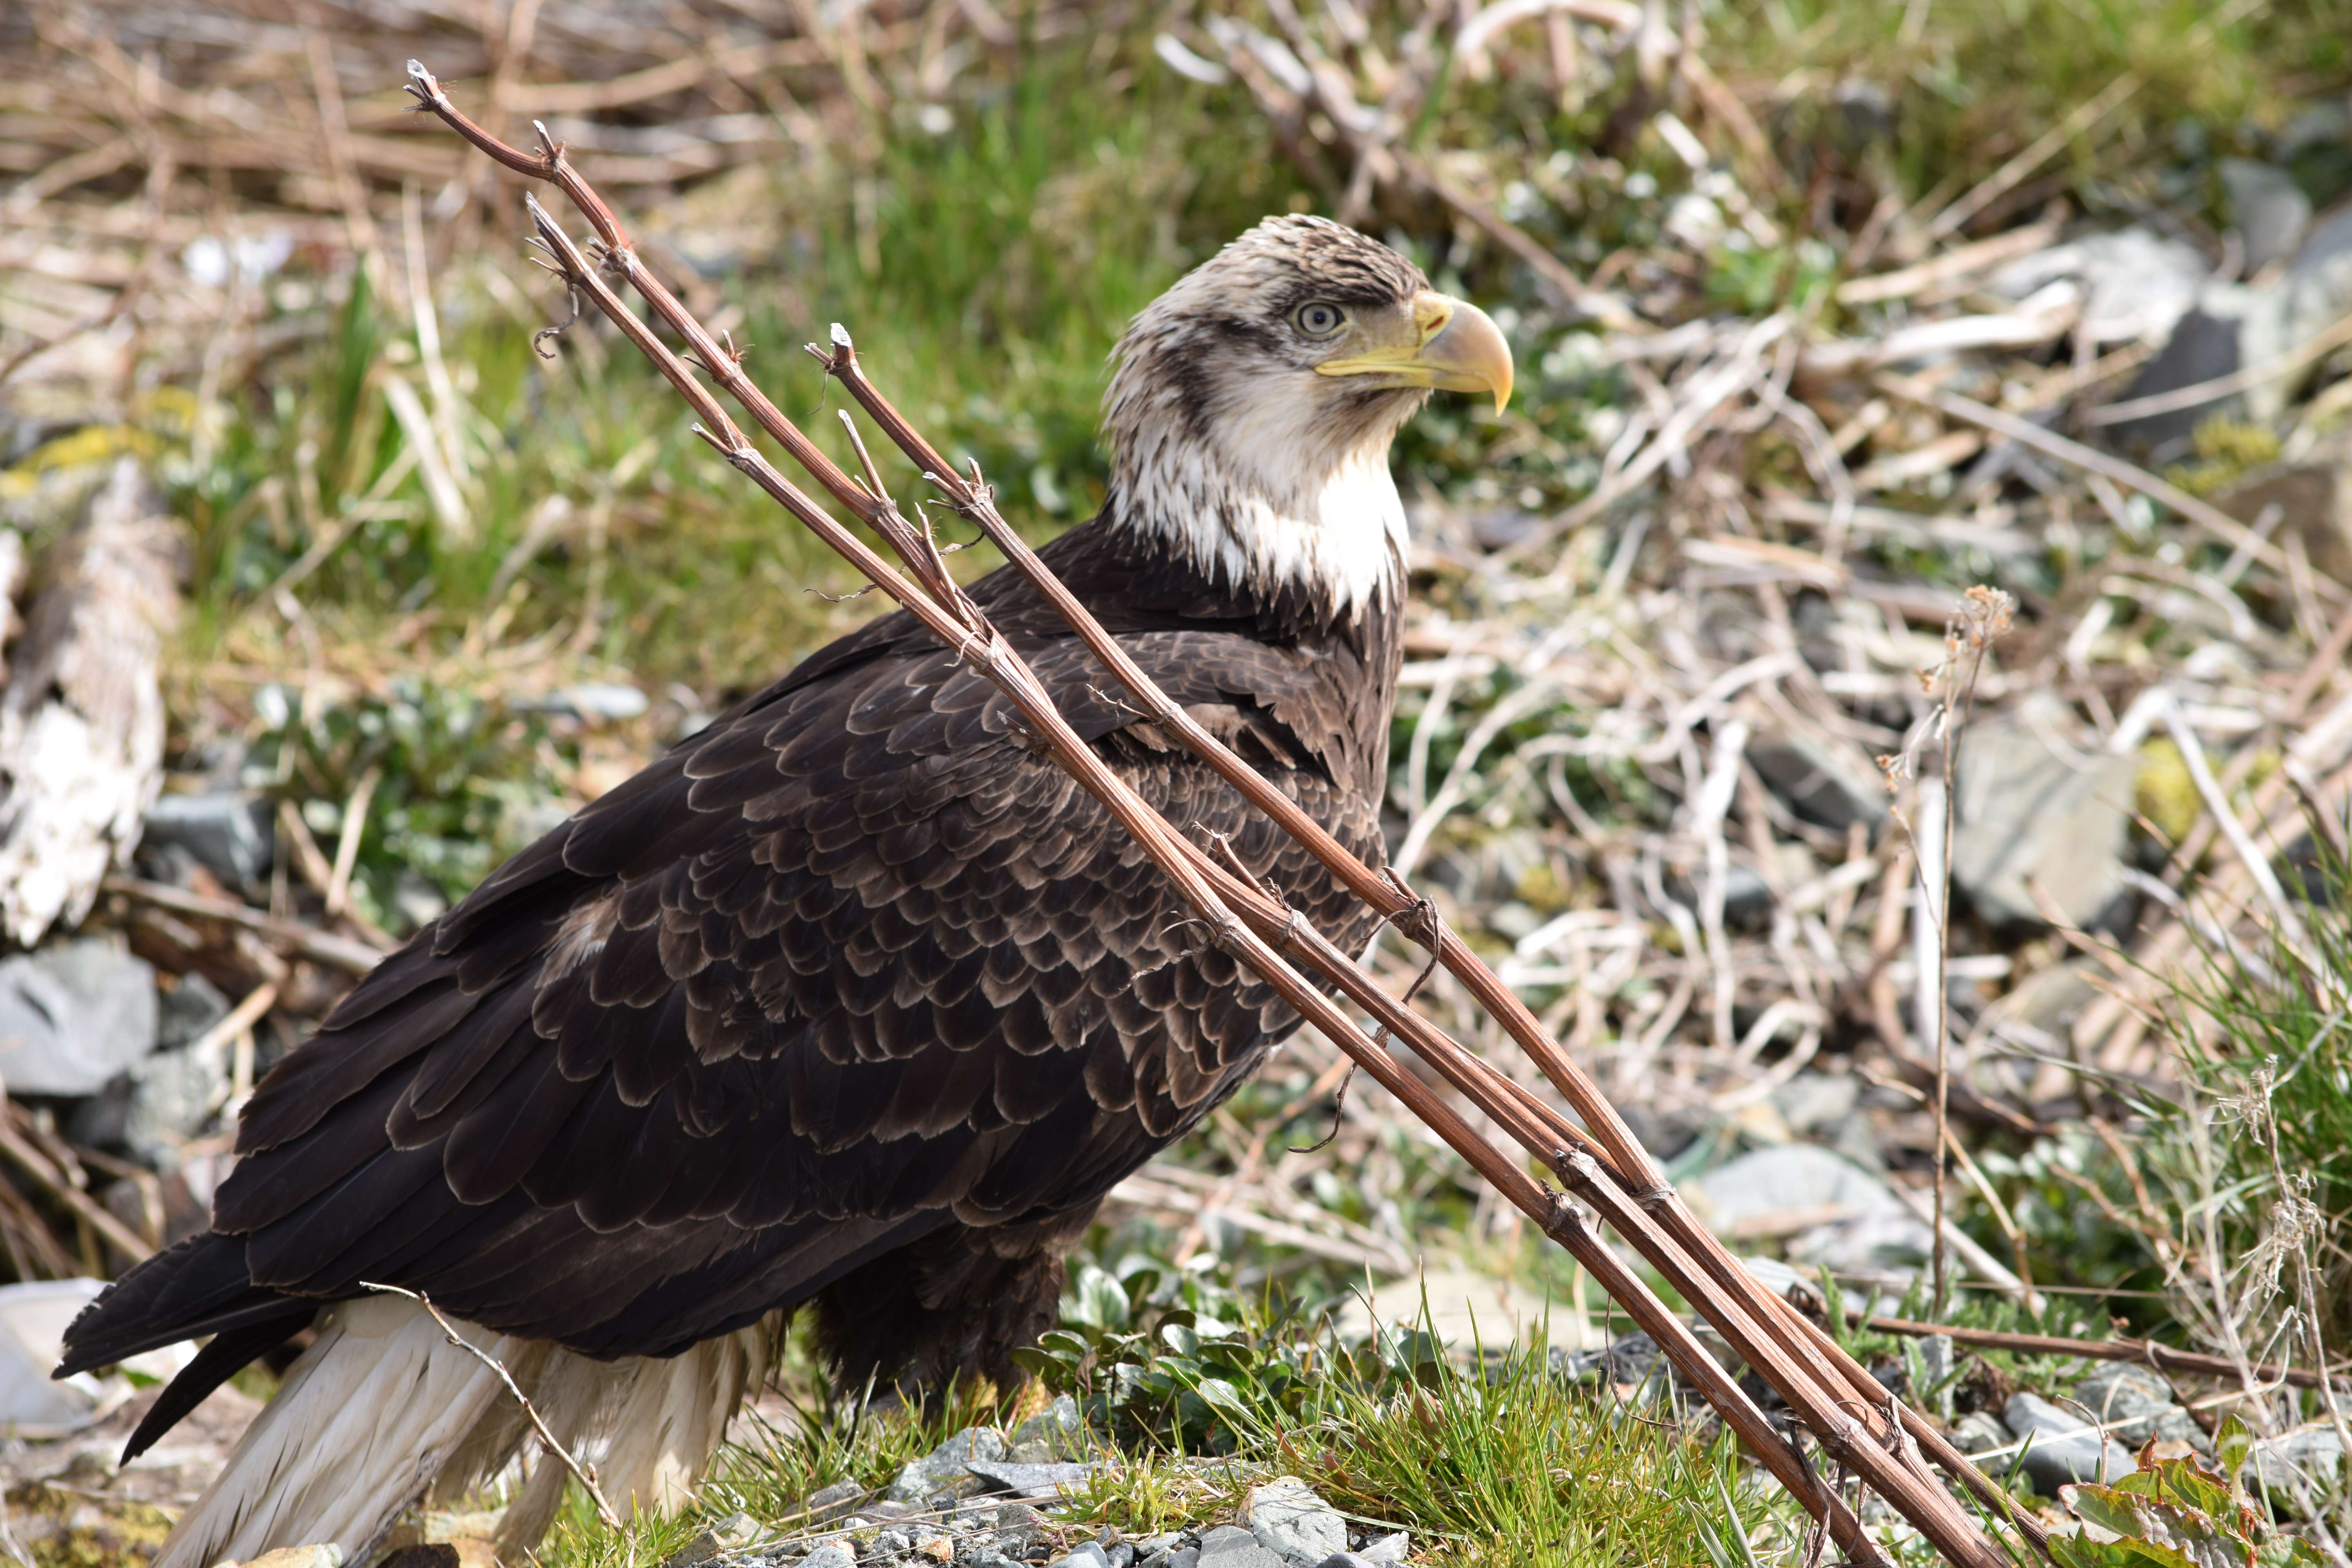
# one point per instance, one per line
(852, 965)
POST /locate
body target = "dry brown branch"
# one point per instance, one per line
(1846, 1409)
(351, 957)
(22, 1153)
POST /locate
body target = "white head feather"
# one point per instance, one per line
(1228, 445)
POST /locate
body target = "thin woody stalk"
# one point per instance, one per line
(1824, 1386)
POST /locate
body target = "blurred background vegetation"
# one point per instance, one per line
(444, 582)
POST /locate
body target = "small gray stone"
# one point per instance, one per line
(831, 1555)
(1056, 1432)
(590, 701)
(1876, 1235)
(891, 1543)
(2063, 1447)
(2142, 1402)
(230, 833)
(155, 1108)
(1980, 1432)
(2204, 345)
(942, 1470)
(830, 1502)
(1823, 785)
(1229, 1546)
(73, 1016)
(2270, 211)
(1183, 1557)
(1293, 1524)
(186, 1010)
(1122, 1554)
(1028, 1480)
(1089, 1555)
(1813, 1100)
(2032, 818)
(1936, 1362)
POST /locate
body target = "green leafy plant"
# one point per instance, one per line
(2175, 1513)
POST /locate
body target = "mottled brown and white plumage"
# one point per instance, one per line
(852, 997)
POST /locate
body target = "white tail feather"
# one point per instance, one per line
(382, 1408)
(364, 1420)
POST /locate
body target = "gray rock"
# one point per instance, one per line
(2317, 287)
(72, 1016)
(830, 1502)
(1056, 1432)
(2029, 818)
(1393, 1548)
(1936, 1361)
(1981, 1432)
(1876, 1235)
(1293, 1524)
(2143, 1402)
(2205, 343)
(1229, 1546)
(889, 1543)
(831, 1555)
(1823, 785)
(1812, 1100)
(1183, 1557)
(2063, 1447)
(943, 1469)
(591, 701)
(2270, 211)
(1029, 1480)
(154, 1109)
(2137, 285)
(231, 833)
(1089, 1555)
(186, 1010)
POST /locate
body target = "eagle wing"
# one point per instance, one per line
(855, 964)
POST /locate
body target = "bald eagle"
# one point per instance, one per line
(852, 999)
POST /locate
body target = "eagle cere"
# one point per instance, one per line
(851, 999)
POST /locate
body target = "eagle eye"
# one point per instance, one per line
(1319, 319)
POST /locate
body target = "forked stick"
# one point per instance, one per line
(1847, 1409)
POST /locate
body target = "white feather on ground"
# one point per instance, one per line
(82, 721)
(382, 1409)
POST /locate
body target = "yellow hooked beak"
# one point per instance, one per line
(1450, 344)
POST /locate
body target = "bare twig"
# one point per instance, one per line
(581, 1472)
(352, 957)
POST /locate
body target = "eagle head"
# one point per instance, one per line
(1252, 405)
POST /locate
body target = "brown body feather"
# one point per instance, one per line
(852, 995)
